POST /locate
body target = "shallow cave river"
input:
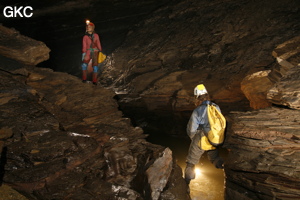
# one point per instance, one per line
(168, 129)
(61, 138)
(209, 181)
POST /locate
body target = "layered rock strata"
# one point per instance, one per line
(279, 85)
(286, 91)
(190, 42)
(21, 48)
(62, 139)
(264, 156)
(212, 42)
(264, 145)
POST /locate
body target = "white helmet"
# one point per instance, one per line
(200, 90)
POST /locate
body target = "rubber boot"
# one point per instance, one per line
(84, 76)
(215, 159)
(189, 173)
(95, 78)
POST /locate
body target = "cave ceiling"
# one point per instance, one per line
(61, 24)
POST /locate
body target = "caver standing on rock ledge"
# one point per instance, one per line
(90, 48)
(195, 132)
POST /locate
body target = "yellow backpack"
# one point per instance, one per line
(215, 129)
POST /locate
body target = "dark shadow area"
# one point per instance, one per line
(3, 161)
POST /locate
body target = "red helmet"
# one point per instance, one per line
(88, 23)
(91, 24)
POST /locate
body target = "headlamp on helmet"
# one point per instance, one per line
(89, 23)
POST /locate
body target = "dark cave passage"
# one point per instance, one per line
(158, 51)
(163, 128)
(167, 129)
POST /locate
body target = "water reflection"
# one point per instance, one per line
(209, 182)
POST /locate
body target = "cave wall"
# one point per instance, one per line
(246, 53)
(263, 160)
(219, 44)
(61, 25)
(214, 42)
(264, 145)
(62, 139)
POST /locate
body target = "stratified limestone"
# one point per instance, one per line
(286, 91)
(281, 84)
(21, 48)
(67, 140)
(212, 42)
(255, 87)
(264, 156)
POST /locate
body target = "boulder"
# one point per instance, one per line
(158, 174)
(255, 87)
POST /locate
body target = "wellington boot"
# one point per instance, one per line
(95, 78)
(189, 173)
(84, 75)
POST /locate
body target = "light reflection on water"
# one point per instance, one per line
(209, 184)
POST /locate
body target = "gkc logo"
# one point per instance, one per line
(14, 11)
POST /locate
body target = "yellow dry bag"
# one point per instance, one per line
(217, 123)
(101, 57)
(205, 144)
(214, 131)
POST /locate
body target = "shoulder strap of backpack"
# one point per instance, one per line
(205, 109)
(92, 38)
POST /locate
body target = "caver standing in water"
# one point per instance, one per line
(90, 48)
(195, 132)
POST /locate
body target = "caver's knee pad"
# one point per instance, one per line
(95, 68)
(84, 66)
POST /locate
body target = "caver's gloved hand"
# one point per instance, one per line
(219, 163)
(189, 172)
